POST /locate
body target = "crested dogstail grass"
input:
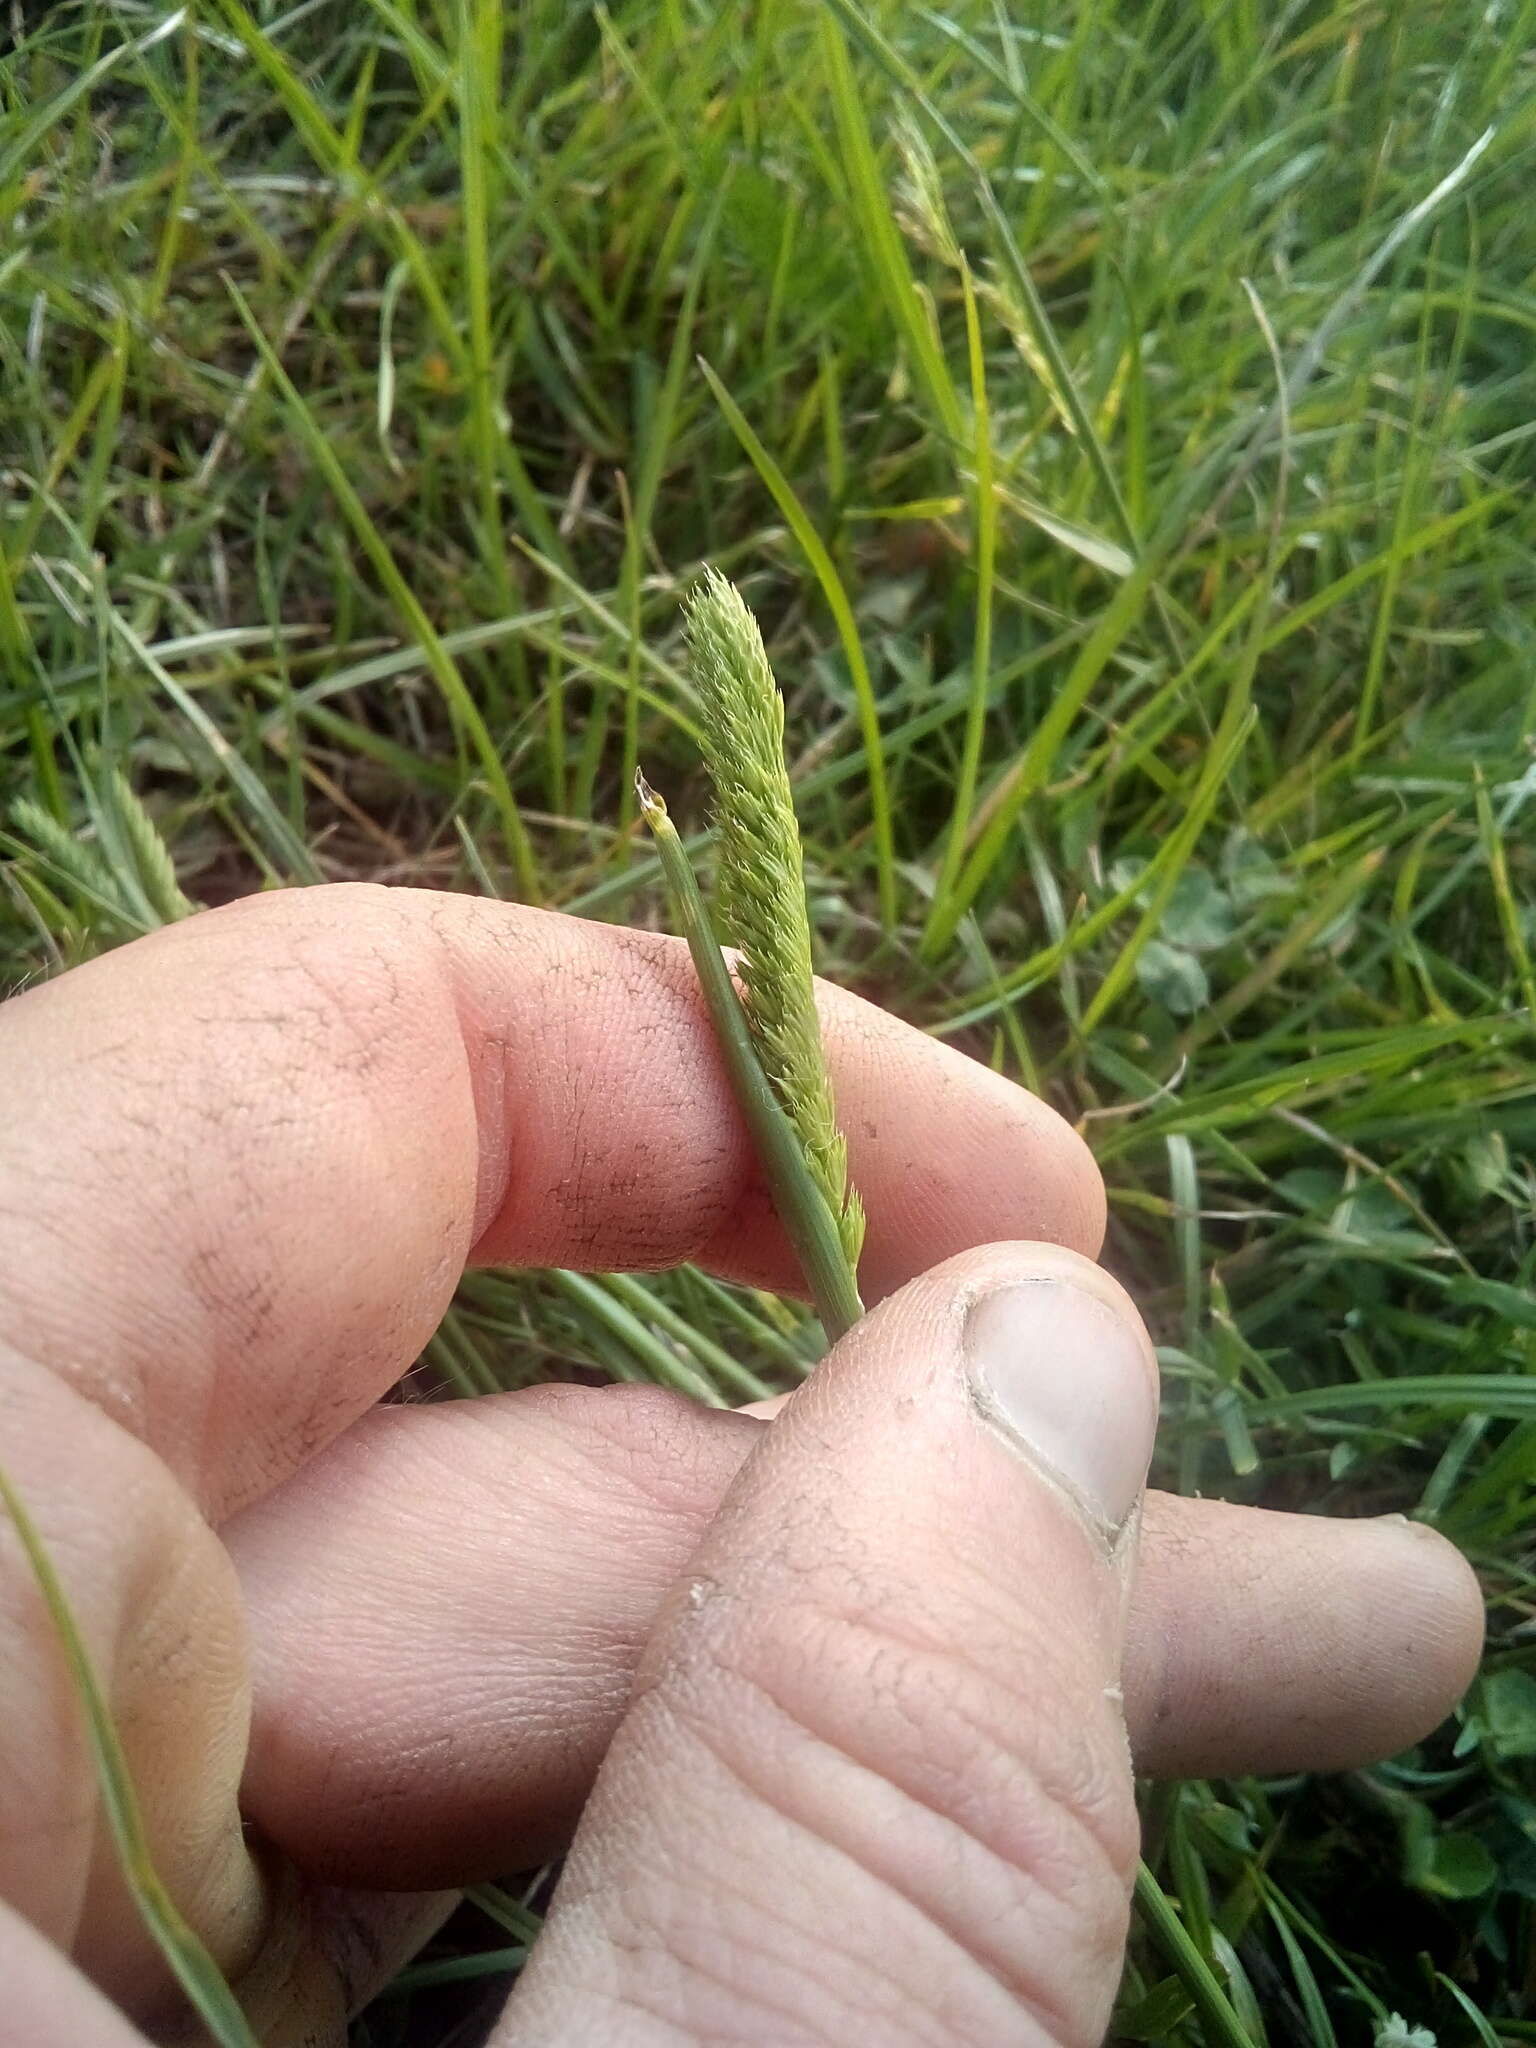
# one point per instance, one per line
(1158, 651)
(760, 879)
(814, 1226)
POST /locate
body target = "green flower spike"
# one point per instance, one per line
(769, 1032)
(761, 883)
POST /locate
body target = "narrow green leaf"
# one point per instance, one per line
(1075, 411)
(1223, 2028)
(882, 238)
(189, 1960)
(825, 571)
(455, 690)
(984, 518)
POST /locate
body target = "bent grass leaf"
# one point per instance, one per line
(188, 1959)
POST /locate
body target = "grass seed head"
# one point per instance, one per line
(761, 885)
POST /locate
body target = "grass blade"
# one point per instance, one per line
(825, 572)
(193, 1967)
(1077, 416)
(1223, 2028)
(1033, 766)
(882, 238)
(985, 526)
(287, 848)
(444, 671)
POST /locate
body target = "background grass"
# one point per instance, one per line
(1124, 431)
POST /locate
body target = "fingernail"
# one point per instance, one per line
(1067, 1379)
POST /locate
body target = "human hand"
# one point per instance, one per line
(875, 1753)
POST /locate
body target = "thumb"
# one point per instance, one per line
(874, 1782)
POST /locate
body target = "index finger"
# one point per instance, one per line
(248, 1158)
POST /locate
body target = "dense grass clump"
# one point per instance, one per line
(1123, 431)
